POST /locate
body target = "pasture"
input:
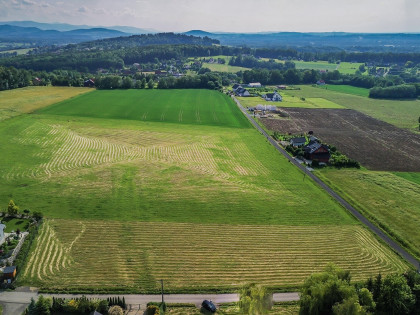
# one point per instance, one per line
(177, 186)
(28, 99)
(389, 200)
(400, 113)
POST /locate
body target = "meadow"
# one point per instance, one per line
(348, 89)
(177, 185)
(389, 200)
(400, 113)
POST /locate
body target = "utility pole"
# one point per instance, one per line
(161, 284)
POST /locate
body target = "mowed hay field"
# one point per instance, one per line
(135, 190)
(138, 254)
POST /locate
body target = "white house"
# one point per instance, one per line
(275, 97)
(2, 227)
(254, 85)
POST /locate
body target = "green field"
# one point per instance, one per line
(203, 107)
(204, 202)
(391, 201)
(223, 67)
(291, 101)
(403, 114)
(348, 89)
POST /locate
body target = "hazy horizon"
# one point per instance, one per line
(357, 16)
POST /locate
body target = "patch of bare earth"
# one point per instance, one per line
(375, 144)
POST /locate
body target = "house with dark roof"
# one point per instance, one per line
(317, 151)
(298, 141)
(235, 86)
(273, 97)
(242, 92)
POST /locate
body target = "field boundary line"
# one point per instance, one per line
(360, 217)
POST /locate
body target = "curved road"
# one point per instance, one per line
(378, 232)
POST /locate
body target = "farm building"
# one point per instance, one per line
(317, 151)
(242, 92)
(275, 97)
(320, 82)
(298, 141)
(265, 107)
(254, 85)
(89, 83)
(2, 227)
(9, 272)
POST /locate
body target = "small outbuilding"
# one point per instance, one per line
(89, 83)
(254, 85)
(2, 227)
(9, 273)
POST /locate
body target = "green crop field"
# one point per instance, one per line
(413, 177)
(218, 67)
(290, 101)
(349, 67)
(403, 114)
(392, 201)
(348, 89)
(176, 185)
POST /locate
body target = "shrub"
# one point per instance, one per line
(152, 310)
(115, 310)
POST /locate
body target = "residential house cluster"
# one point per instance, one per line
(312, 150)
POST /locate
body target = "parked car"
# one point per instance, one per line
(208, 305)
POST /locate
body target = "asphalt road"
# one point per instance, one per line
(15, 302)
(378, 232)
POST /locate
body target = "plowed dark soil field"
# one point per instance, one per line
(375, 144)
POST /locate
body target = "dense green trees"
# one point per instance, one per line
(394, 92)
(331, 292)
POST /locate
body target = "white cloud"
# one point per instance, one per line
(28, 2)
(82, 10)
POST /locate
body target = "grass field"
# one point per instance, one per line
(26, 100)
(348, 89)
(290, 101)
(403, 114)
(413, 177)
(177, 186)
(390, 200)
(218, 67)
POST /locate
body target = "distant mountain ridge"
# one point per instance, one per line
(343, 40)
(10, 33)
(63, 27)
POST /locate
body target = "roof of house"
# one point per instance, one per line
(298, 140)
(313, 146)
(95, 313)
(235, 86)
(10, 269)
(2, 226)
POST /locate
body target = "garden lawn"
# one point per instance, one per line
(390, 200)
(400, 113)
(12, 224)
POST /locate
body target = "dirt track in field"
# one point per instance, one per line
(375, 144)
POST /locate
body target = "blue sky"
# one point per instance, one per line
(225, 15)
